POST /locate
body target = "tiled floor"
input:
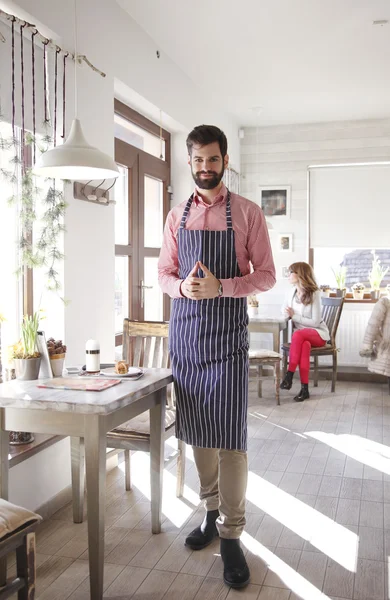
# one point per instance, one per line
(318, 513)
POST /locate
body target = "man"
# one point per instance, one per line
(210, 241)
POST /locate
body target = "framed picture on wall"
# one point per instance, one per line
(285, 242)
(285, 272)
(275, 200)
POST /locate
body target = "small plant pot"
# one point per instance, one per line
(375, 294)
(358, 295)
(252, 311)
(325, 293)
(57, 364)
(18, 438)
(27, 369)
(340, 293)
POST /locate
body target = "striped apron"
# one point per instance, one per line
(208, 343)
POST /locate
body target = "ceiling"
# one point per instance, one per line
(273, 62)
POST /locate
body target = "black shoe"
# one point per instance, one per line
(303, 394)
(287, 381)
(235, 569)
(203, 535)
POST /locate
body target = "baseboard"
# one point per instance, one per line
(49, 508)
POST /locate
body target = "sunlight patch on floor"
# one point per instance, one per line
(368, 452)
(338, 542)
(293, 580)
(177, 510)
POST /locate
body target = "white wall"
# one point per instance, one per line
(118, 46)
(280, 155)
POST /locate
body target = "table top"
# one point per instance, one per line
(27, 394)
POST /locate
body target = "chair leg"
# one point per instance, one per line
(25, 567)
(316, 371)
(259, 372)
(181, 468)
(284, 364)
(334, 372)
(78, 477)
(277, 382)
(127, 470)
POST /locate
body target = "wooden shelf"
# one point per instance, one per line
(18, 454)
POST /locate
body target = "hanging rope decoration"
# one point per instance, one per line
(64, 94)
(13, 78)
(34, 33)
(55, 96)
(46, 115)
(22, 88)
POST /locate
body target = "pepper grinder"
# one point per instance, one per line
(92, 356)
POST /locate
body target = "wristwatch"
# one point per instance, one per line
(220, 290)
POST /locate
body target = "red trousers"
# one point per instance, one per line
(301, 343)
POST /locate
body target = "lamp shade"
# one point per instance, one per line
(76, 160)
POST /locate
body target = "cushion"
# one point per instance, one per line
(263, 354)
(13, 517)
(141, 424)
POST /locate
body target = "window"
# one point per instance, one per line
(357, 261)
(142, 204)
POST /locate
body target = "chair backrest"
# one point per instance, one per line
(331, 313)
(145, 343)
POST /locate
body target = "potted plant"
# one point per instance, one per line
(358, 291)
(340, 275)
(325, 290)
(376, 275)
(57, 351)
(25, 355)
(253, 305)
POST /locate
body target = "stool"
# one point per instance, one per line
(261, 358)
(17, 532)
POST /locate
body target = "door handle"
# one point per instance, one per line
(142, 288)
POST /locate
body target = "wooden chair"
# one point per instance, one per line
(145, 344)
(261, 358)
(331, 313)
(17, 532)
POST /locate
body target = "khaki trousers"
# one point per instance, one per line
(223, 476)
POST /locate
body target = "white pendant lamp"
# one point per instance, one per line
(76, 159)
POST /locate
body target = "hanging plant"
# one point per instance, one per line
(44, 251)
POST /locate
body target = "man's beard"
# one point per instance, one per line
(207, 184)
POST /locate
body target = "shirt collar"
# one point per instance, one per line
(218, 199)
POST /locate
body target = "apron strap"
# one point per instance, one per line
(186, 211)
(229, 224)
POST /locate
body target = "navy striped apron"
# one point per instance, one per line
(208, 343)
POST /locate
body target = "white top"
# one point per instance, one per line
(307, 316)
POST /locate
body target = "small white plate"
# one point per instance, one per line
(132, 373)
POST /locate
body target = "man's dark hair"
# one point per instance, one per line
(207, 134)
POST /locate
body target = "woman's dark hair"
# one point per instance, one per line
(207, 134)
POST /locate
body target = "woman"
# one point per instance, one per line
(303, 307)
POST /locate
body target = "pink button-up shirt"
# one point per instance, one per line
(251, 243)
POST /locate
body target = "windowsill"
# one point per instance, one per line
(351, 300)
(18, 454)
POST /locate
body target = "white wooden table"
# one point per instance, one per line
(273, 325)
(88, 415)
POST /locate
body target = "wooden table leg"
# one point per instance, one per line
(95, 461)
(157, 428)
(78, 478)
(4, 445)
